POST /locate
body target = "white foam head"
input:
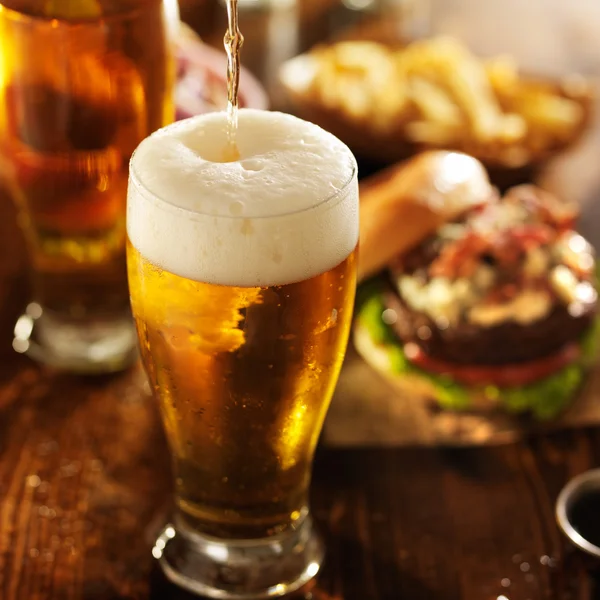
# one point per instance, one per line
(286, 211)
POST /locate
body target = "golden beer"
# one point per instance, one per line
(81, 84)
(242, 277)
(244, 376)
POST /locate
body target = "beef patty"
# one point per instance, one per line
(467, 343)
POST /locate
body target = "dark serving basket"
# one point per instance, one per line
(378, 149)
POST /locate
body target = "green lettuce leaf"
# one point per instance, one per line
(544, 399)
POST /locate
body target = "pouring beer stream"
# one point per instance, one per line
(233, 42)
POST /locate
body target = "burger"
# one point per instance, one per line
(474, 300)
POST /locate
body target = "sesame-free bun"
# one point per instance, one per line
(404, 204)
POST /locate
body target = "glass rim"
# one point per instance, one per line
(148, 194)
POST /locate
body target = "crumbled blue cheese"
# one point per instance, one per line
(525, 308)
(537, 261)
(442, 299)
(445, 301)
(564, 282)
(452, 231)
(575, 252)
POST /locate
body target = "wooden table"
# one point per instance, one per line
(85, 485)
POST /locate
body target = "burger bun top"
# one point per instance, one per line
(406, 203)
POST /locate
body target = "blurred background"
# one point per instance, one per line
(546, 36)
(552, 39)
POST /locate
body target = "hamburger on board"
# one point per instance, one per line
(474, 300)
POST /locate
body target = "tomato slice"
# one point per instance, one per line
(509, 375)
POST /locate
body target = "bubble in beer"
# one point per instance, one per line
(236, 207)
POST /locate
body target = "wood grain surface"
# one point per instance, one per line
(85, 482)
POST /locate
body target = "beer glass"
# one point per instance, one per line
(242, 279)
(81, 84)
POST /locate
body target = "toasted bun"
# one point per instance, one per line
(404, 204)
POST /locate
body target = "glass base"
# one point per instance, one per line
(240, 569)
(87, 347)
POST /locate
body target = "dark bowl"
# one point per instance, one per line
(580, 487)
